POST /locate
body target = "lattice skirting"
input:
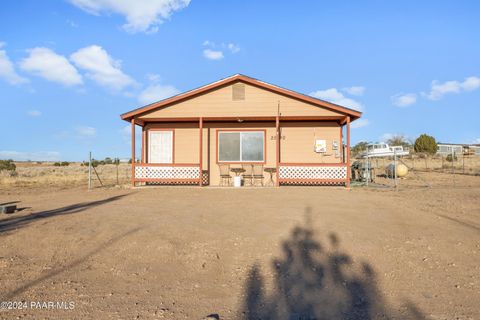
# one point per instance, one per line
(171, 174)
(312, 183)
(313, 175)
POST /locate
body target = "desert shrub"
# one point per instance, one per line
(108, 160)
(451, 158)
(426, 144)
(359, 148)
(61, 164)
(7, 165)
(95, 163)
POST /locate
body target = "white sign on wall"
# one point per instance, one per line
(320, 146)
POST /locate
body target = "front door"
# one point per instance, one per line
(160, 146)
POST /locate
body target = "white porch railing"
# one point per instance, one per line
(310, 173)
(167, 173)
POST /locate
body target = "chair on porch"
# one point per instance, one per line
(224, 175)
(258, 174)
(247, 174)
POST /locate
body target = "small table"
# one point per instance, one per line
(271, 171)
(237, 171)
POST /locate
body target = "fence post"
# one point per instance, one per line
(90, 170)
(395, 166)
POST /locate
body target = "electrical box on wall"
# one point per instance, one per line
(335, 145)
(320, 146)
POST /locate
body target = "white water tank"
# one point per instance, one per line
(402, 170)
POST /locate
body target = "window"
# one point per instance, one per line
(244, 146)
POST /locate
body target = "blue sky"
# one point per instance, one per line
(68, 69)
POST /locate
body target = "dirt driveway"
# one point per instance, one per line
(288, 253)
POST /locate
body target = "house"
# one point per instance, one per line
(445, 149)
(198, 136)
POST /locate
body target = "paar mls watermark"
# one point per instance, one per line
(37, 305)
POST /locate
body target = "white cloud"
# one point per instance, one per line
(438, 90)
(101, 67)
(141, 15)
(233, 48)
(215, 51)
(471, 83)
(213, 54)
(45, 63)
(86, 132)
(157, 92)
(404, 100)
(360, 123)
(33, 156)
(355, 90)
(334, 96)
(7, 71)
(34, 113)
(153, 77)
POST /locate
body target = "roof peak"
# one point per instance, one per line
(249, 80)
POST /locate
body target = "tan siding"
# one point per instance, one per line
(258, 102)
(298, 141)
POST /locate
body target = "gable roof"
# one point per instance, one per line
(354, 114)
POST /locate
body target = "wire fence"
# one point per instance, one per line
(461, 164)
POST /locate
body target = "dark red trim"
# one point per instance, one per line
(169, 180)
(133, 151)
(167, 165)
(246, 118)
(348, 152)
(200, 125)
(313, 164)
(277, 151)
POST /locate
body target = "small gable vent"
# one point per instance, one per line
(238, 91)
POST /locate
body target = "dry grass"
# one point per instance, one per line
(464, 165)
(46, 174)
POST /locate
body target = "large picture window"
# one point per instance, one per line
(241, 146)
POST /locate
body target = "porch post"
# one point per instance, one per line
(277, 140)
(200, 125)
(340, 145)
(133, 151)
(143, 144)
(347, 157)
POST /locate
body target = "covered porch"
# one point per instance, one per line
(199, 139)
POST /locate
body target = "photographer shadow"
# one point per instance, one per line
(313, 281)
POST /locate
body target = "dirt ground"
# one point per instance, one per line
(254, 253)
